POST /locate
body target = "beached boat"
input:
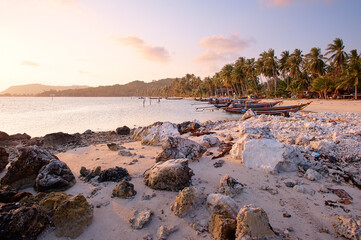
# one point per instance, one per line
(254, 104)
(281, 110)
(174, 98)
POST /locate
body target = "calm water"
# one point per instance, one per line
(40, 116)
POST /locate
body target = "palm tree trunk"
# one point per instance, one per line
(356, 91)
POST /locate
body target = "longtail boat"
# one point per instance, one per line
(255, 104)
(282, 110)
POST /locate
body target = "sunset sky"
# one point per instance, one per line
(105, 42)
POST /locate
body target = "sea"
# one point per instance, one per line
(38, 116)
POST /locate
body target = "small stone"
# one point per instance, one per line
(125, 153)
(299, 188)
(141, 218)
(222, 205)
(222, 228)
(114, 175)
(124, 189)
(312, 175)
(187, 200)
(229, 186)
(218, 164)
(164, 232)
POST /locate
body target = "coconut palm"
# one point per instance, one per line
(338, 55)
(314, 63)
(239, 76)
(285, 55)
(353, 72)
(226, 75)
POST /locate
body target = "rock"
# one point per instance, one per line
(23, 171)
(248, 114)
(229, 137)
(229, 186)
(114, 175)
(4, 158)
(218, 164)
(19, 136)
(84, 172)
(60, 138)
(188, 126)
(222, 228)
(258, 149)
(222, 205)
(56, 176)
(113, 146)
(187, 200)
(147, 236)
(349, 228)
(253, 223)
(123, 130)
(312, 175)
(172, 175)
(299, 188)
(125, 153)
(6, 194)
(323, 146)
(87, 175)
(302, 140)
(72, 216)
(124, 189)
(262, 118)
(210, 141)
(177, 147)
(140, 218)
(164, 232)
(88, 132)
(4, 136)
(22, 221)
(156, 133)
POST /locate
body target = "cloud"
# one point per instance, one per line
(281, 3)
(218, 49)
(153, 53)
(28, 63)
(65, 3)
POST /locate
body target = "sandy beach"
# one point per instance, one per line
(294, 204)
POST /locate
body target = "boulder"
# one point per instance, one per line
(124, 189)
(6, 194)
(253, 223)
(56, 176)
(87, 175)
(19, 136)
(248, 114)
(22, 221)
(113, 146)
(72, 216)
(222, 205)
(188, 126)
(156, 133)
(229, 186)
(4, 158)
(177, 147)
(164, 232)
(23, 171)
(60, 138)
(187, 200)
(210, 141)
(258, 149)
(123, 130)
(141, 218)
(172, 175)
(4, 136)
(312, 175)
(349, 228)
(51, 201)
(222, 228)
(114, 175)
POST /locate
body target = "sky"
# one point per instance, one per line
(106, 42)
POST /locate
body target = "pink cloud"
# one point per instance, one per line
(153, 53)
(280, 3)
(29, 63)
(218, 49)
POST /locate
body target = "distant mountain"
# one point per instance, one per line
(135, 88)
(34, 89)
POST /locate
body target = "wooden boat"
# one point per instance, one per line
(174, 98)
(255, 104)
(282, 110)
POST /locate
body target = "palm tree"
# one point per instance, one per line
(322, 85)
(353, 72)
(239, 76)
(272, 64)
(314, 63)
(338, 55)
(285, 55)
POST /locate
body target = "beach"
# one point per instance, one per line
(299, 196)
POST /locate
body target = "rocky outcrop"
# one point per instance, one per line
(275, 156)
(177, 147)
(56, 176)
(229, 186)
(124, 189)
(114, 175)
(23, 171)
(209, 141)
(4, 158)
(60, 138)
(172, 175)
(123, 130)
(156, 133)
(22, 221)
(222, 205)
(222, 228)
(253, 223)
(72, 216)
(19, 137)
(140, 218)
(187, 200)
(348, 227)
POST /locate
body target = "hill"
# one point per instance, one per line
(135, 88)
(34, 89)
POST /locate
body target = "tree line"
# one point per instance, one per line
(291, 75)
